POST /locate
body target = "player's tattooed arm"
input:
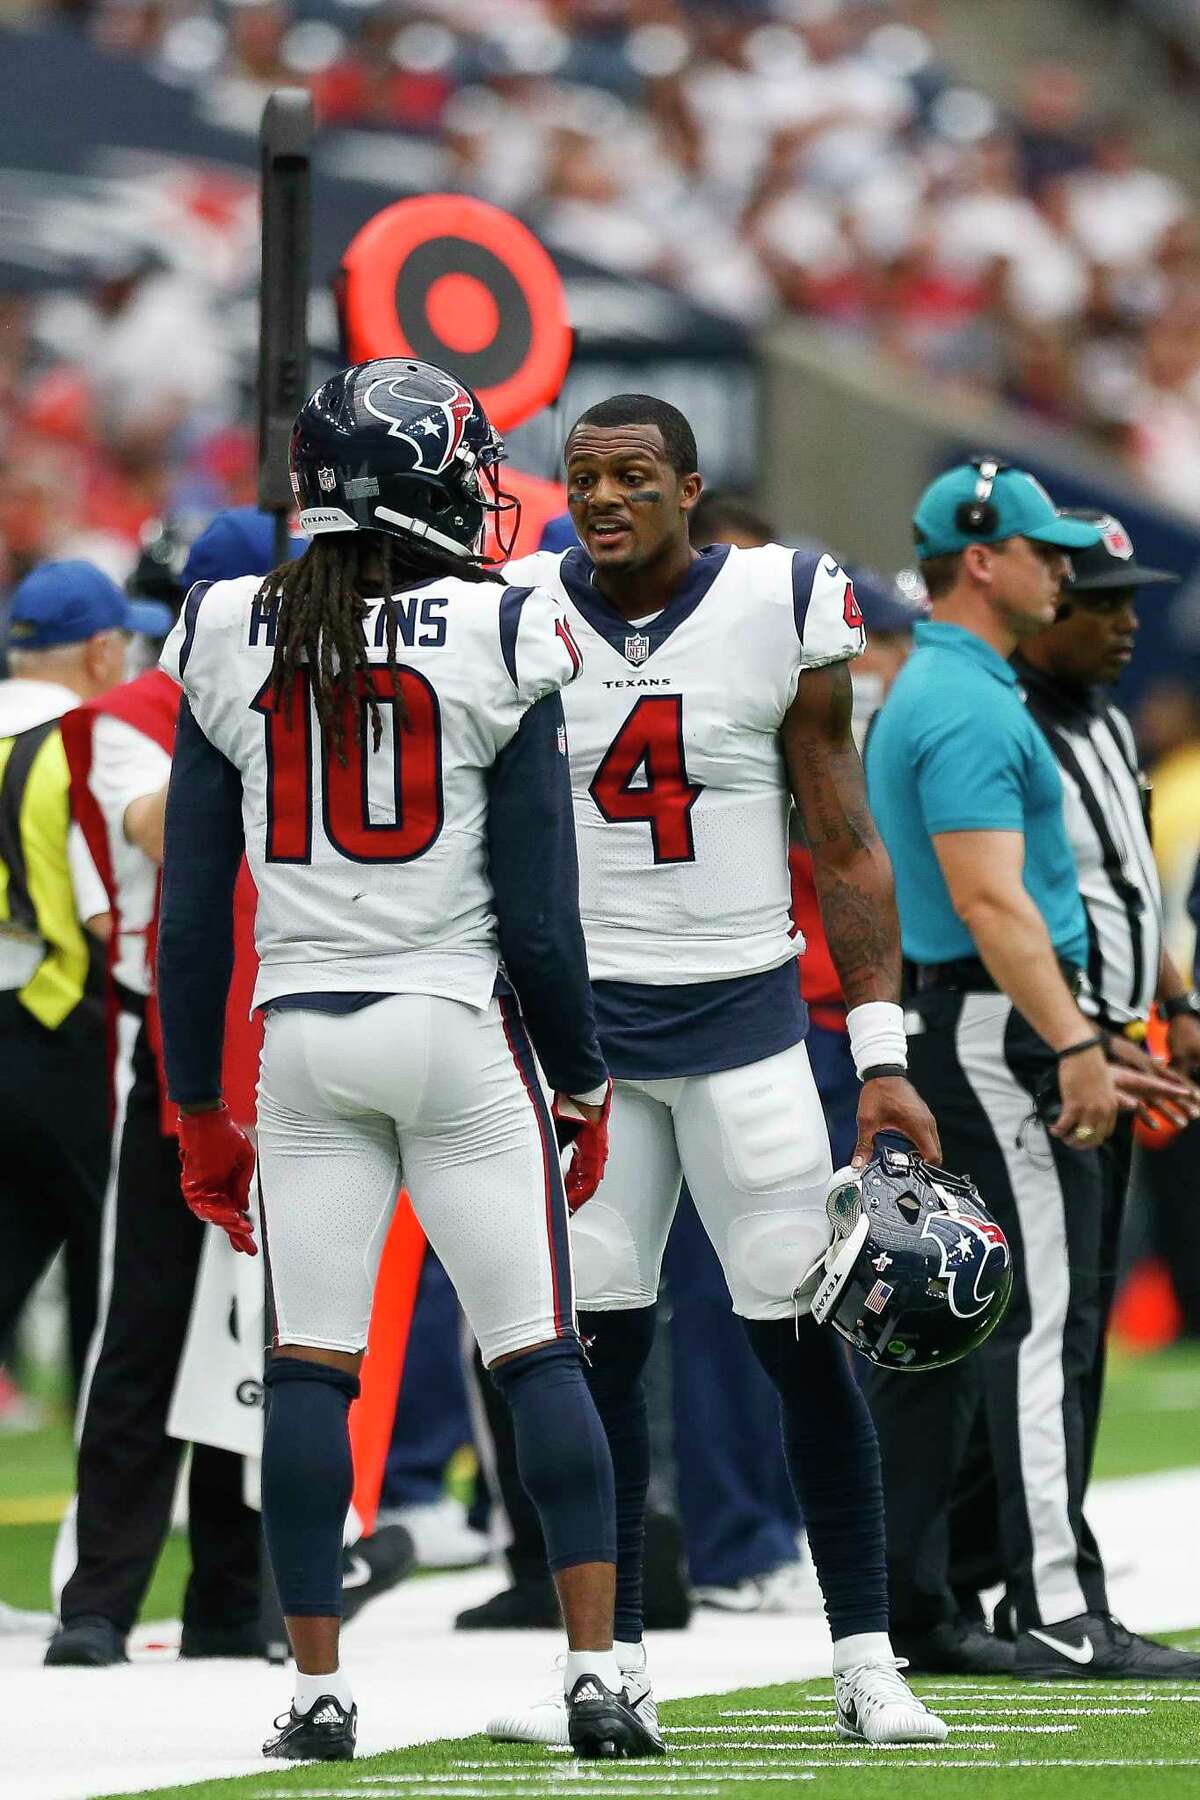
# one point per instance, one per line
(850, 865)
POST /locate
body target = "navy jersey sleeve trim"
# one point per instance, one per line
(191, 617)
(804, 573)
(203, 852)
(513, 600)
(535, 881)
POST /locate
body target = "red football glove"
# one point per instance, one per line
(218, 1161)
(590, 1139)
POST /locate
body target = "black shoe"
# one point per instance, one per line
(525, 1606)
(222, 1640)
(325, 1733)
(955, 1647)
(87, 1643)
(603, 1724)
(1097, 1645)
(666, 1597)
(373, 1565)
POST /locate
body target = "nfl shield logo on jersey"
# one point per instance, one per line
(637, 648)
(326, 480)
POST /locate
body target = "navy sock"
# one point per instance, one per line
(562, 1458)
(833, 1460)
(307, 1482)
(619, 1345)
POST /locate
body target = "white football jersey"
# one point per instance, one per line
(681, 797)
(372, 875)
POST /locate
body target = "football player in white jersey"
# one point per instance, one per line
(715, 694)
(379, 726)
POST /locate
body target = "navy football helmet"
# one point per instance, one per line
(918, 1272)
(402, 447)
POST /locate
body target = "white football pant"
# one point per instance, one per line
(753, 1148)
(444, 1098)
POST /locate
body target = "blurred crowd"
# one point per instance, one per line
(765, 157)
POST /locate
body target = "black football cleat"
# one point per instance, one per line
(325, 1733)
(529, 1605)
(954, 1647)
(1098, 1646)
(373, 1565)
(87, 1643)
(603, 1726)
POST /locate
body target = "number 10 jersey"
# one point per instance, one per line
(680, 793)
(372, 873)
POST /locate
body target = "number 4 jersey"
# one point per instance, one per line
(681, 797)
(372, 873)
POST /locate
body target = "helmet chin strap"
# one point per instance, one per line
(838, 1263)
(419, 529)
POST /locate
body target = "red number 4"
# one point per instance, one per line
(650, 743)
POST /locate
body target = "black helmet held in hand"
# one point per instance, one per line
(918, 1272)
(401, 447)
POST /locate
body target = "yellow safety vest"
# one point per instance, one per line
(36, 893)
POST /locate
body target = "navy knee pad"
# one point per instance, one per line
(619, 1345)
(833, 1461)
(562, 1456)
(307, 1482)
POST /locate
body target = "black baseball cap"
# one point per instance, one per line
(1110, 563)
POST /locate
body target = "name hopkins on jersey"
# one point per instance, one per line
(681, 794)
(421, 622)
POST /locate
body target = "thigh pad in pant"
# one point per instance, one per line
(755, 1155)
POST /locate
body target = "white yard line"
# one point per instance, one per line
(953, 1712)
(74, 1734)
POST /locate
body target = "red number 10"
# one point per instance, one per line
(417, 805)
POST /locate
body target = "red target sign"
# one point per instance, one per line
(456, 282)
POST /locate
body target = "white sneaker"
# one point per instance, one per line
(876, 1705)
(440, 1533)
(792, 1588)
(545, 1722)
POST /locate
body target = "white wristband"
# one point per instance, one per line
(877, 1035)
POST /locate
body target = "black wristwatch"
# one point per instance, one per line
(1181, 1006)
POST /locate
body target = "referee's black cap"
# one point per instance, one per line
(1110, 563)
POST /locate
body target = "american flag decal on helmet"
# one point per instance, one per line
(878, 1297)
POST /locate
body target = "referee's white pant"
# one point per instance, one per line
(977, 1064)
(445, 1098)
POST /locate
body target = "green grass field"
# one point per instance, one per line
(1108, 1742)
(1078, 1742)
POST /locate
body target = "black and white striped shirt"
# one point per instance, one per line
(1104, 809)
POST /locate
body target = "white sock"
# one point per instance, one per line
(600, 1663)
(863, 1647)
(631, 1658)
(311, 1687)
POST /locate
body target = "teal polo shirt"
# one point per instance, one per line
(954, 749)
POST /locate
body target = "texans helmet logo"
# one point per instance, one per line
(975, 1259)
(432, 424)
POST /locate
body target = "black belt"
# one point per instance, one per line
(968, 975)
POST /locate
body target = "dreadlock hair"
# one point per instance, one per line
(323, 598)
